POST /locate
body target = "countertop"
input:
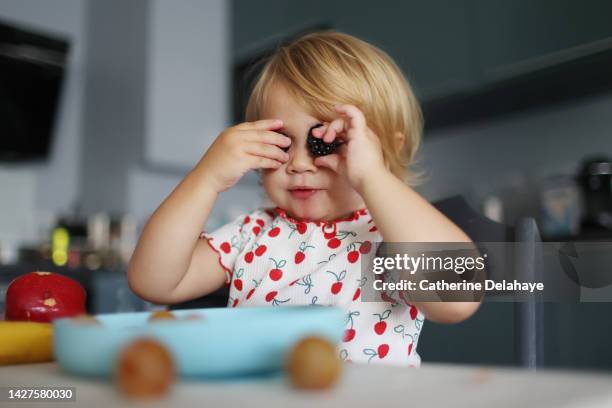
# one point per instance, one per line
(432, 385)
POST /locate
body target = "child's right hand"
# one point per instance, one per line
(244, 147)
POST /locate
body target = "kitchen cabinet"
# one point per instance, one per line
(445, 47)
(430, 41)
(574, 337)
(516, 36)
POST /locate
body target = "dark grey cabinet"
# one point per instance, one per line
(514, 36)
(575, 336)
(431, 41)
(444, 46)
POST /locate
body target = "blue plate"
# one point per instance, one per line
(226, 342)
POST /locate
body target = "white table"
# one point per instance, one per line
(431, 385)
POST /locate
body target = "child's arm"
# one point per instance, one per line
(170, 264)
(400, 214)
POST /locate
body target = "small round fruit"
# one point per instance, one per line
(145, 369)
(318, 147)
(313, 364)
(85, 319)
(162, 315)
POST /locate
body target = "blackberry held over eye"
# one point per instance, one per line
(318, 147)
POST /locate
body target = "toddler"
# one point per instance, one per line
(333, 127)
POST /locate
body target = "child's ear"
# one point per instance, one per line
(399, 139)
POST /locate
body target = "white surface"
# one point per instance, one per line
(361, 386)
(188, 79)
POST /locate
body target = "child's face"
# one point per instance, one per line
(331, 195)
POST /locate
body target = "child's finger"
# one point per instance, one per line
(266, 150)
(274, 138)
(258, 162)
(355, 115)
(264, 124)
(318, 132)
(335, 127)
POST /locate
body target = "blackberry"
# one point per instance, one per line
(318, 147)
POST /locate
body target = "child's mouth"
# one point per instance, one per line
(303, 193)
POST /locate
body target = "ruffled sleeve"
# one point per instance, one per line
(229, 240)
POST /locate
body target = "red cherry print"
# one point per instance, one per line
(352, 256)
(247, 219)
(413, 312)
(336, 287)
(373, 229)
(235, 303)
(256, 230)
(276, 274)
(383, 349)
(294, 282)
(349, 334)
(249, 257)
(365, 247)
(260, 222)
(410, 349)
(274, 232)
(271, 295)
(333, 243)
(300, 255)
(238, 284)
(380, 327)
(301, 227)
(248, 296)
(357, 293)
(225, 247)
(329, 235)
(260, 250)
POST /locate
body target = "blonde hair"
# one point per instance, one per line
(327, 68)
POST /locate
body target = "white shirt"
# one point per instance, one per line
(273, 259)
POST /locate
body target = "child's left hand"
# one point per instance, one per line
(361, 153)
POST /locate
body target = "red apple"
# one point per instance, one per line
(44, 296)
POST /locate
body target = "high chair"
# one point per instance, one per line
(499, 332)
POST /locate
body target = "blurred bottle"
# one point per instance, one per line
(560, 207)
(595, 179)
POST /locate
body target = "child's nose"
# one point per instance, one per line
(300, 160)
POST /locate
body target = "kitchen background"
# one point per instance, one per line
(516, 93)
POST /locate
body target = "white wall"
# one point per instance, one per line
(188, 72)
(32, 191)
(147, 189)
